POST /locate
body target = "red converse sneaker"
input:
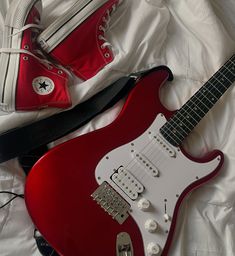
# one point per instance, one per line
(28, 81)
(77, 38)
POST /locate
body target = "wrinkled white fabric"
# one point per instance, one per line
(194, 38)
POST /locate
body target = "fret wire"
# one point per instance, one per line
(203, 95)
(193, 125)
(180, 125)
(188, 115)
(197, 102)
(229, 70)
(233, 63)
(189, 121)
(218, 73)
(206, 88)
(216, 87)
(174, 138)
(222, 83)
(227, 79)
(171, 123)
(179, 113)
(193, 108)
(227, 76)
(209, 91)
(171, 139)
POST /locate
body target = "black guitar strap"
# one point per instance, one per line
(21, 140)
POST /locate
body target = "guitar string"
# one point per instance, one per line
(221, 84)
(198, 99)
(220, 74)
(159, 155)
(214, 87)
(228, 63)
(189, 111)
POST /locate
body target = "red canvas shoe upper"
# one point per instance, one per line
(86, 51)
(29, 81)
(39, 84)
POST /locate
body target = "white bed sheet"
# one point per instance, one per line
(194, 38)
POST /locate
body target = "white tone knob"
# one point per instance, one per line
(166, 217)
(151, 225)
(143, 204)
(153, 249)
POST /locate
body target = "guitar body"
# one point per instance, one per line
(134, 165)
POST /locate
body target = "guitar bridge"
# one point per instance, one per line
(111, 202)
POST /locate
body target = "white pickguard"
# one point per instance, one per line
(176, 172)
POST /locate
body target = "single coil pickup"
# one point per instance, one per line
(146, 164)
(163, 145)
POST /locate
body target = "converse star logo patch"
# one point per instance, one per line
(43, 85)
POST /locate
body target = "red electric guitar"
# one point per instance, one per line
(117, 191)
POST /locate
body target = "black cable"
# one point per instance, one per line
(44, 248)
(14, 197)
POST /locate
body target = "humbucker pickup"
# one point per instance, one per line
(127, 183)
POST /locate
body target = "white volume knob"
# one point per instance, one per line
(143, 204)
(151, 225)
(153, 249)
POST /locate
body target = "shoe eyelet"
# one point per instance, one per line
(25, 58)
(100, 37)
(60, 72)
(50, 67)
(26, 47)
(102, 46)
(100, 28)
(106, 55)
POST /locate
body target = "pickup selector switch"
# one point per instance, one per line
(166, 217)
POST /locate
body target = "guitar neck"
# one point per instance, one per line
(189, 115)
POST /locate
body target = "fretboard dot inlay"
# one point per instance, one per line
(181, 124)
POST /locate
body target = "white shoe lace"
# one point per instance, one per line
(42, 60)
(106, 19)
